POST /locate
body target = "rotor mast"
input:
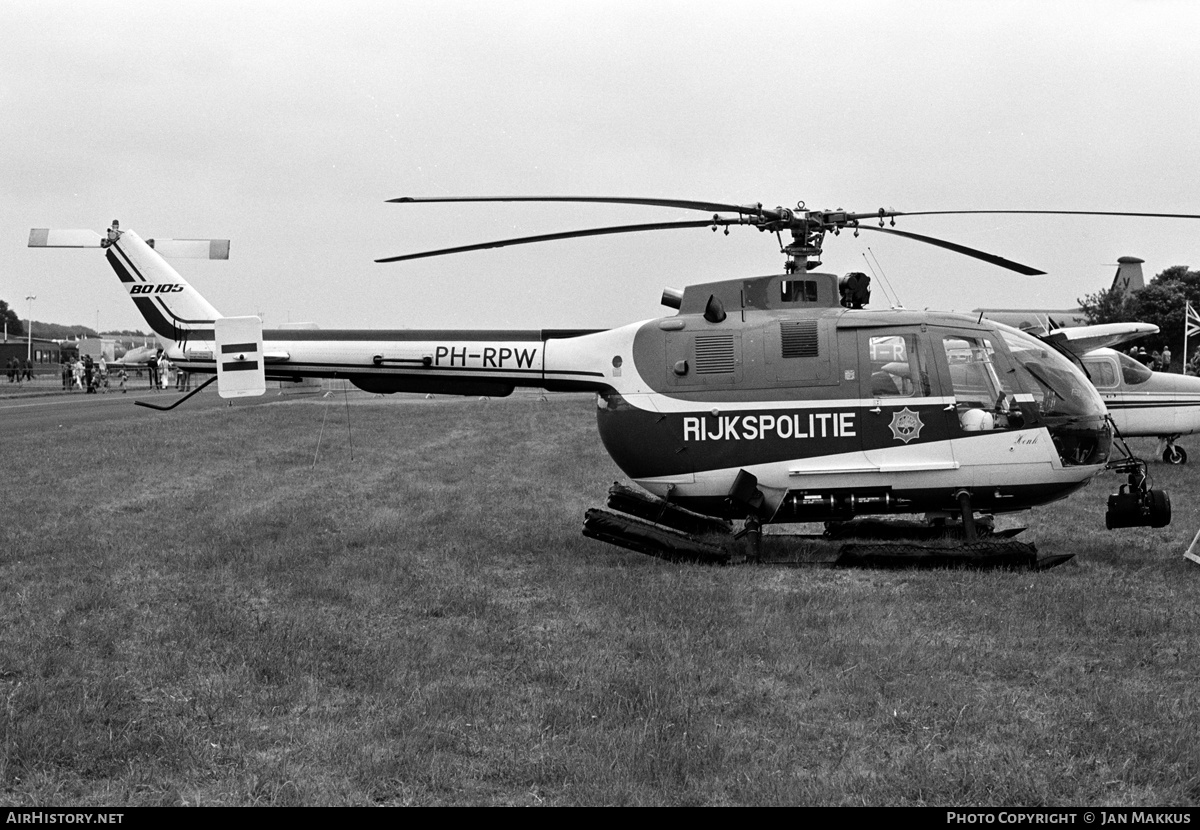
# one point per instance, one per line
(808, 229)
(804, 251)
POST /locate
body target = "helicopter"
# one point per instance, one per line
(766, 399)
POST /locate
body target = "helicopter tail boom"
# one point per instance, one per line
(452, 362)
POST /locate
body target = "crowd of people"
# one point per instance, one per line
(1157, 361)
(83, 372)
(96, 375)
(90, 375)
(19, 370)
(1154, 360)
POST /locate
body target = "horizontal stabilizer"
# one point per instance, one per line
(49, 238)
(191, 248)
(1081, 339)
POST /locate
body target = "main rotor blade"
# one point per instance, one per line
(1049, 213)
(525, 240)
(961, 249)
(709, 207)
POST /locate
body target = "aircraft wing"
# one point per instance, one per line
(1081, 339)
(1036, 321)
(136, 357)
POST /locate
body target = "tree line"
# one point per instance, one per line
(10, 320)
(1161, 302)
(55, 331)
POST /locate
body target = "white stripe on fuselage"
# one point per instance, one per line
(998, 460)
(1151, 414)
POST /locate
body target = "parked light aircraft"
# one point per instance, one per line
(1144, 403)
(137, 357)
(767, 399)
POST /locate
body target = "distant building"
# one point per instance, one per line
(97, 347)
(44, 353)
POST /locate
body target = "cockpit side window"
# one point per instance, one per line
(1102, 371)
(1132, 372)
(981, 380)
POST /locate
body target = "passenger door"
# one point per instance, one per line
(906, 422)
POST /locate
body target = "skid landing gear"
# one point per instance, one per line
(972, 544)
(657, 528)
(751, 532)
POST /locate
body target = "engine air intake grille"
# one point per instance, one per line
(799, 338)
(714, 354)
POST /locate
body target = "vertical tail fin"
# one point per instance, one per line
(172, 308)
(1129, 275)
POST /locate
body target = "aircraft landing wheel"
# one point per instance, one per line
(1160, 508)
(1175, 455)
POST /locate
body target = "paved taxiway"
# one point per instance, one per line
(31, 414)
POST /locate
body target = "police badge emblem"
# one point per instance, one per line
(906, 425)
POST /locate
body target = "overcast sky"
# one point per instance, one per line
(286, 126)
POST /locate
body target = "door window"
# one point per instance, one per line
(896, 367)
(984, 395)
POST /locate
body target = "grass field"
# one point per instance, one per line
(194, 613)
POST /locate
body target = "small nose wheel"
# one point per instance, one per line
(1174, 455)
